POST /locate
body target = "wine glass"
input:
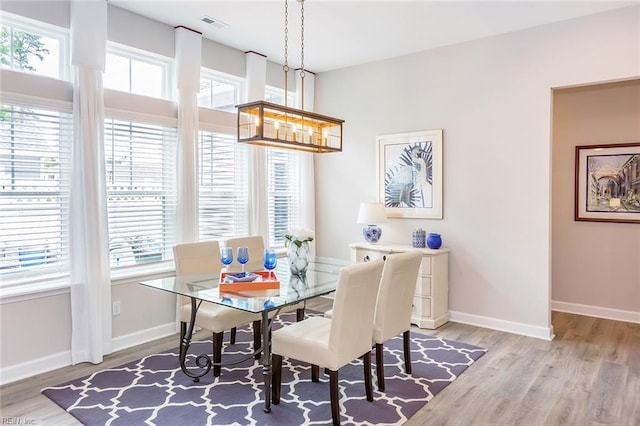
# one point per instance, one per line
(226, 255)
(270, 261)
(243, 256)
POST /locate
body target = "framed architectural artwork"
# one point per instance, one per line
(607, 183)
(409, 169)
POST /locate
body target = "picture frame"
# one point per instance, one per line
(409, 174)
(607, 183)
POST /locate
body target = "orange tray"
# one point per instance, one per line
(262, 283)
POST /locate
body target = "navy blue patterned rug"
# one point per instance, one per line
(154, 391)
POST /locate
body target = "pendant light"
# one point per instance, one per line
(267, 124)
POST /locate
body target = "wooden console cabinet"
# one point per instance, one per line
(431, 298)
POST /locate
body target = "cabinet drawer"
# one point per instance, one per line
(425, 267)
(421, 307)
(367, 255)
(423, 287)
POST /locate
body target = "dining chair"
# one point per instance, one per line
(255, 263)
(334, 342)
(255, 243)
(393, 306)
(203, 258)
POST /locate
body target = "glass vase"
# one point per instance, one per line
(298, 258)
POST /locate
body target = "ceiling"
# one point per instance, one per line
(339, 34)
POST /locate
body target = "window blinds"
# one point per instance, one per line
(141, 191)
(35, 160)
(223, 186)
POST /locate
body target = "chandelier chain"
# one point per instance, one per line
(302, 73)
(302, 38)
(285, 67)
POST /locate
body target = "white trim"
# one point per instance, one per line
(34, 367)
(24, 292)
(133, 107)
(545, 333)
(143, 336)
(596, 311)
(48, 363)
(26, 90)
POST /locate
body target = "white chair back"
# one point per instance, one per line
(256, 252)
(395, 297)
(200, 258)
(353, 310)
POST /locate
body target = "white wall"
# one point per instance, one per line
(492, 97)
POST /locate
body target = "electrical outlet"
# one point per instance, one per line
(115, 308)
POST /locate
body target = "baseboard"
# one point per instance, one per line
(545, 333)
(52, 362)
(139, 337)
(24, 370)
(596, 311)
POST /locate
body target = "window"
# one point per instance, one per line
(133, 71)
(282, 180)
(276, 96)
(223, 186)
(219, 91)
(141, 192)
(35, 158)
(32, 46)
(283, 193)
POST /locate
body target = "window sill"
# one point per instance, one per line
(61, 285)
(141, 273)
(22, 292)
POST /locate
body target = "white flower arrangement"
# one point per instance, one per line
(298, 235)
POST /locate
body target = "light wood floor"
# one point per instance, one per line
(588, 375)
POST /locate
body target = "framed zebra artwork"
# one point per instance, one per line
(409, 169)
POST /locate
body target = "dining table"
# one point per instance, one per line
(320, 278)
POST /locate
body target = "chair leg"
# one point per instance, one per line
(217, 352)
(335, 407)
(380, 366)
(257, 337)
(366, 358)
(315, 373)
(406, 337)
(300, 314)
(276, 378)
(232, 338)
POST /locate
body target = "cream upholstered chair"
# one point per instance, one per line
(393, 308)
(255, 263)
(256, 251)
(203, 258)
(334, 342)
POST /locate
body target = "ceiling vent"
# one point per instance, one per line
(215, 22)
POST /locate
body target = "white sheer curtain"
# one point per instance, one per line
(187, 71)
(89, 245)
(256, 74)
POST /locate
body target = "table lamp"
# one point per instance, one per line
(370, 214)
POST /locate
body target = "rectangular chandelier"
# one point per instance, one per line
(267, 124)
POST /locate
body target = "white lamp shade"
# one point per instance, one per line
(371, 213)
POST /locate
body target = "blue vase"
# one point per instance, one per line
(372, 233)
(434, 241)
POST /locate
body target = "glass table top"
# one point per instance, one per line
(321, 279)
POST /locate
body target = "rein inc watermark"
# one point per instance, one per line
(17, 421)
